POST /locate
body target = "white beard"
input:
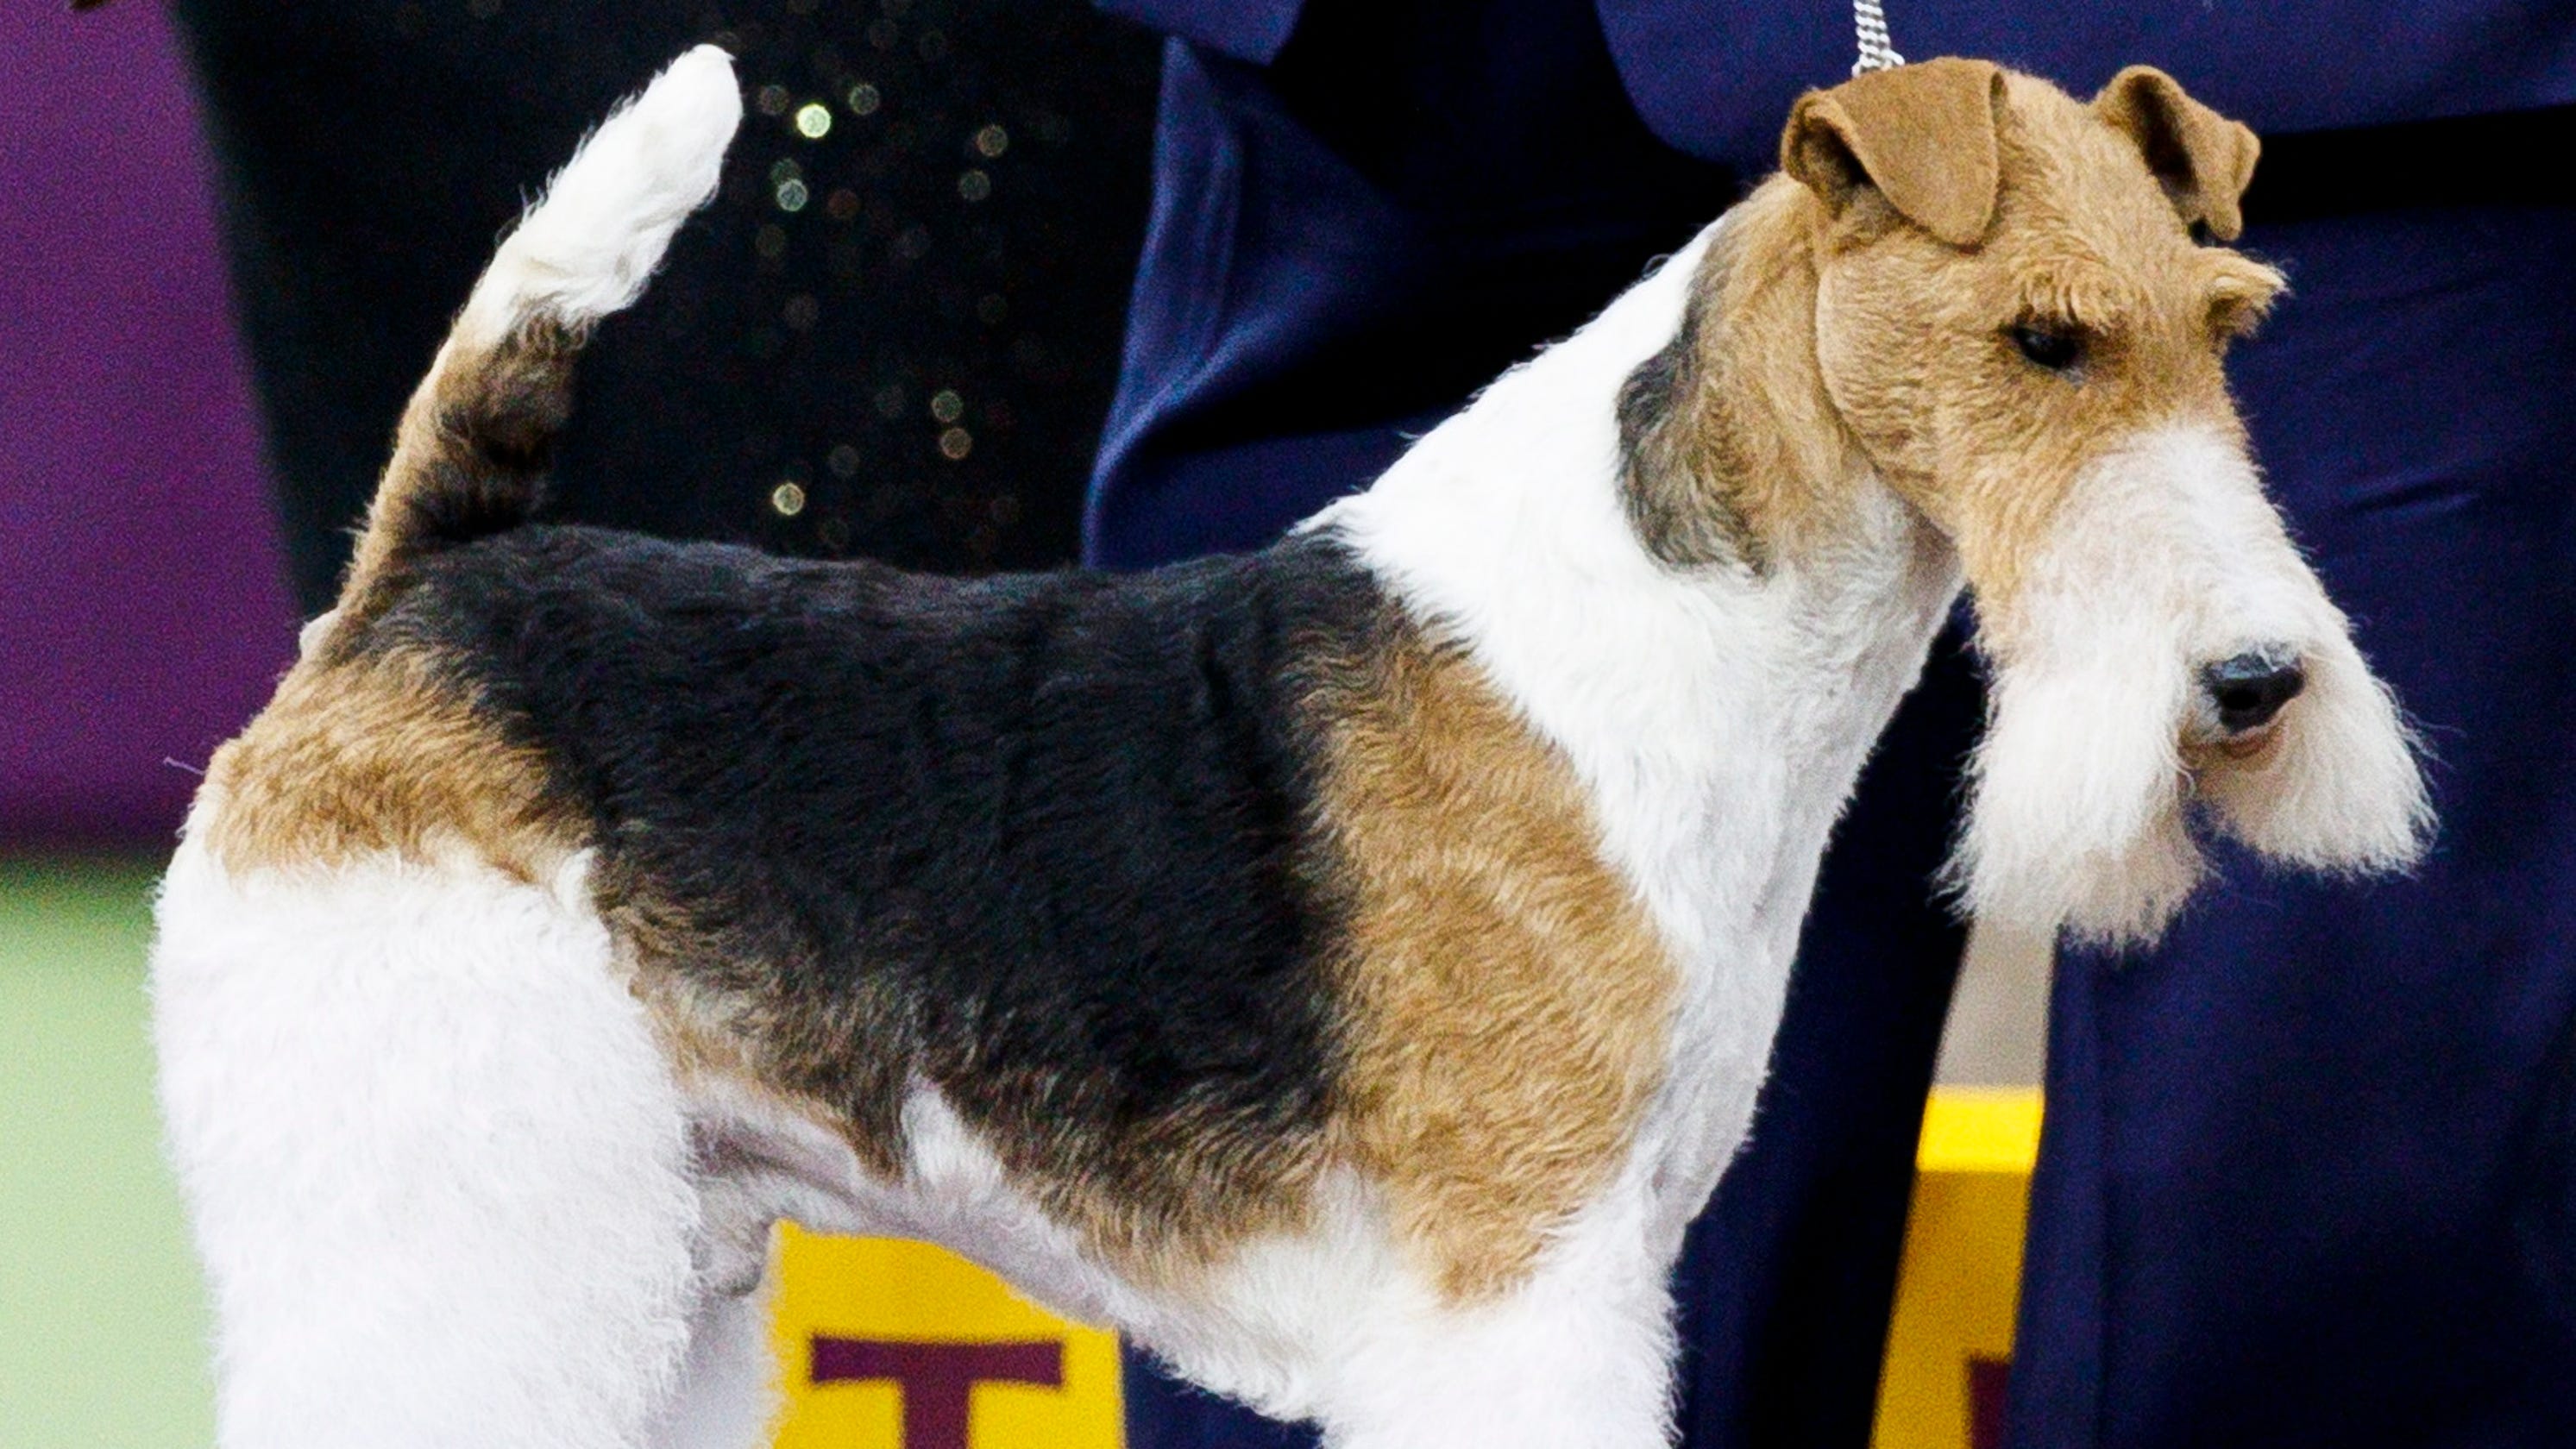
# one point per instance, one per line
(2167, 557)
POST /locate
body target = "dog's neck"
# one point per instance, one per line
(1731, 450)
(1719, 711)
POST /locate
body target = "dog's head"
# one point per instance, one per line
(2021, 324)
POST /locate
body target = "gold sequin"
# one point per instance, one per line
(788, 499)
(955, 444)
(813, 120)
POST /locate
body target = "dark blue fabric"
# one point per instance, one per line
(1785, 1279)
(2308, 1170)
(2308, 1176)
(1244, 29)
(1345, 244)
(1715, 78)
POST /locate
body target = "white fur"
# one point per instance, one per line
(1329, 1324)
(434, 1157)
(309, 639)
(2165, 557)
(727, 1393)
(1718, 719)
(1576, 1357)
(588, 249)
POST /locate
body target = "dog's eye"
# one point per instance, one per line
(2055, 348)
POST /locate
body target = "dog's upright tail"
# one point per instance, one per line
(470, 456)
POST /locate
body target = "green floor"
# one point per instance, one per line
(102, 1322)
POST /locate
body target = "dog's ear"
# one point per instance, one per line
(1922, 136)
(2203, 159)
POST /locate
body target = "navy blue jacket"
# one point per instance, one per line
(1335, 177)
(1715, 79)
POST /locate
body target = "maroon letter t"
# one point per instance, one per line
(933, 1379)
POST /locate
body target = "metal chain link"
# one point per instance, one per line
(1869, 20)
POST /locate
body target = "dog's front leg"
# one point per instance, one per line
(727, 1396)
(1579, 1357)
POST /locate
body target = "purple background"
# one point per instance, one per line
(143, 608)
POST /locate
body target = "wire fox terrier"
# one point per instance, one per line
(1345, 969)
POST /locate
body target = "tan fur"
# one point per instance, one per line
(2204, 160)
(1730, 469)
(1166, 1203)
(366, 746)
(478, 427)
(1200, 1189)
(1913, 334)
(1509, 1001)
(376, 754)
(1921, 136)
(1840, 317)
(1506, 1010)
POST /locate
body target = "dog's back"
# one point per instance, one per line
(856, 829)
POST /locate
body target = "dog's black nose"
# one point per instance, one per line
(2251, 688)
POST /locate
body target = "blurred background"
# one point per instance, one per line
(143, 613)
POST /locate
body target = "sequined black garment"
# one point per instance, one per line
(894, 334)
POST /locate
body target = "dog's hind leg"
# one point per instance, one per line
(437, 1164)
